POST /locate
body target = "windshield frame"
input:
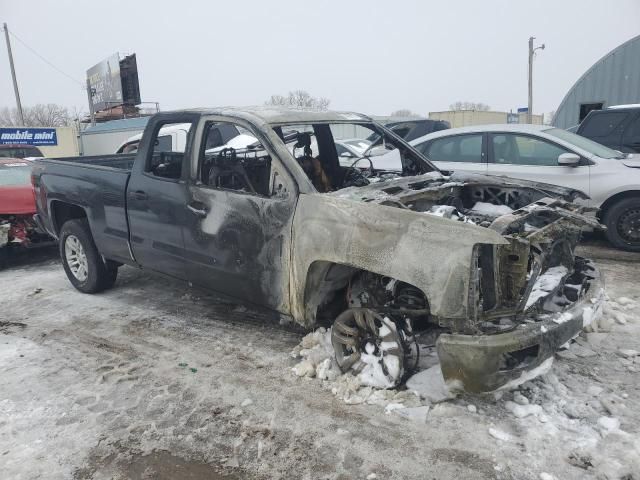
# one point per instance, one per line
(585, 144)
(427, 165)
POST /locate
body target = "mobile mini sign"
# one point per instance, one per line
(28, 136)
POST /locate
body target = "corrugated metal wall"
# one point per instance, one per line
(613, 80)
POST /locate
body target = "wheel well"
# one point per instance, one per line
(616, 198)
(61, 212)
(326, 288)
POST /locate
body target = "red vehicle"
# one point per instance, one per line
(19, 151)
(17, 207)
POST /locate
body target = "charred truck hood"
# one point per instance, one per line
(528, 293)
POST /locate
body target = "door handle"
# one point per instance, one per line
(140, 195)
(198, 209)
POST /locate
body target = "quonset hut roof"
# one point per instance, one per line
(612, 80)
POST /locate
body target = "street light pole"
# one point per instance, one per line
(531, 54)
(13, 76)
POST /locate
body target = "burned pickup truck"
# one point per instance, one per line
(486, 262)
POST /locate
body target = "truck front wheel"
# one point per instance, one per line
(81, 260)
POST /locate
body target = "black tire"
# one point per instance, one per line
(93, 275)
(622, 220)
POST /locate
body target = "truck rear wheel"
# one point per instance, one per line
(81, 260)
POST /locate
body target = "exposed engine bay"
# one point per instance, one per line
(542, 232)
(525, 282)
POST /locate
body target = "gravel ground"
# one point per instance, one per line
(156, 380)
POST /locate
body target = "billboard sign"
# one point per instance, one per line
(28, 136)
(129, 80)
(104, 81)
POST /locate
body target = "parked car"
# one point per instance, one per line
(616, 127)
(350, 149)
(551, 155)
(412, 129)
(20, 151)
(488, 260)
(17, 207)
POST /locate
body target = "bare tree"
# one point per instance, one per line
(405, 112)
(40, 115)
(299, 99)
(481, 107)
(548, 117)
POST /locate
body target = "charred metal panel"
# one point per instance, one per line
(431, 253)
(241, 247)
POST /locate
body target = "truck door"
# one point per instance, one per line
(157, 194)
(239, 211)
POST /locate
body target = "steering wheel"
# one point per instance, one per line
(355, 177)
(371, 172)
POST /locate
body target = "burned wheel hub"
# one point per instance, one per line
(629, 225)
(364, 341)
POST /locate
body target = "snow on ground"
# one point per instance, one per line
(155, 377)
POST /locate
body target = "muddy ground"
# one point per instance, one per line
(153, 379)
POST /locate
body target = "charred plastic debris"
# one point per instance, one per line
(529, 296)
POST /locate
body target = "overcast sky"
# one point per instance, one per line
(368, 56)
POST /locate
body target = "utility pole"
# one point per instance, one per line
(13, 76)
(531, 54)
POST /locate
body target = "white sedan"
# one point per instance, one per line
(550, 155)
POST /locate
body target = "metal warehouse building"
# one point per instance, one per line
(613, 80)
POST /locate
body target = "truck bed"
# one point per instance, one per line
(98, 184)
(118, 161)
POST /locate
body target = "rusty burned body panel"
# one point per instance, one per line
(431, 253)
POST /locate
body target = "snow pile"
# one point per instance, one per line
(619, 311)
(430, 385)
(490, 209)
(448, 211)
(370, 385)
(581, 421)
(546, 283)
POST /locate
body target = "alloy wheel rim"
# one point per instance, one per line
(76, 258)
(360, 331)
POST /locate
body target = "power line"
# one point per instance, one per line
(46, 61)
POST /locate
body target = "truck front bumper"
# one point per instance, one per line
(484, 363)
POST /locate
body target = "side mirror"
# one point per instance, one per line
(568, 159)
